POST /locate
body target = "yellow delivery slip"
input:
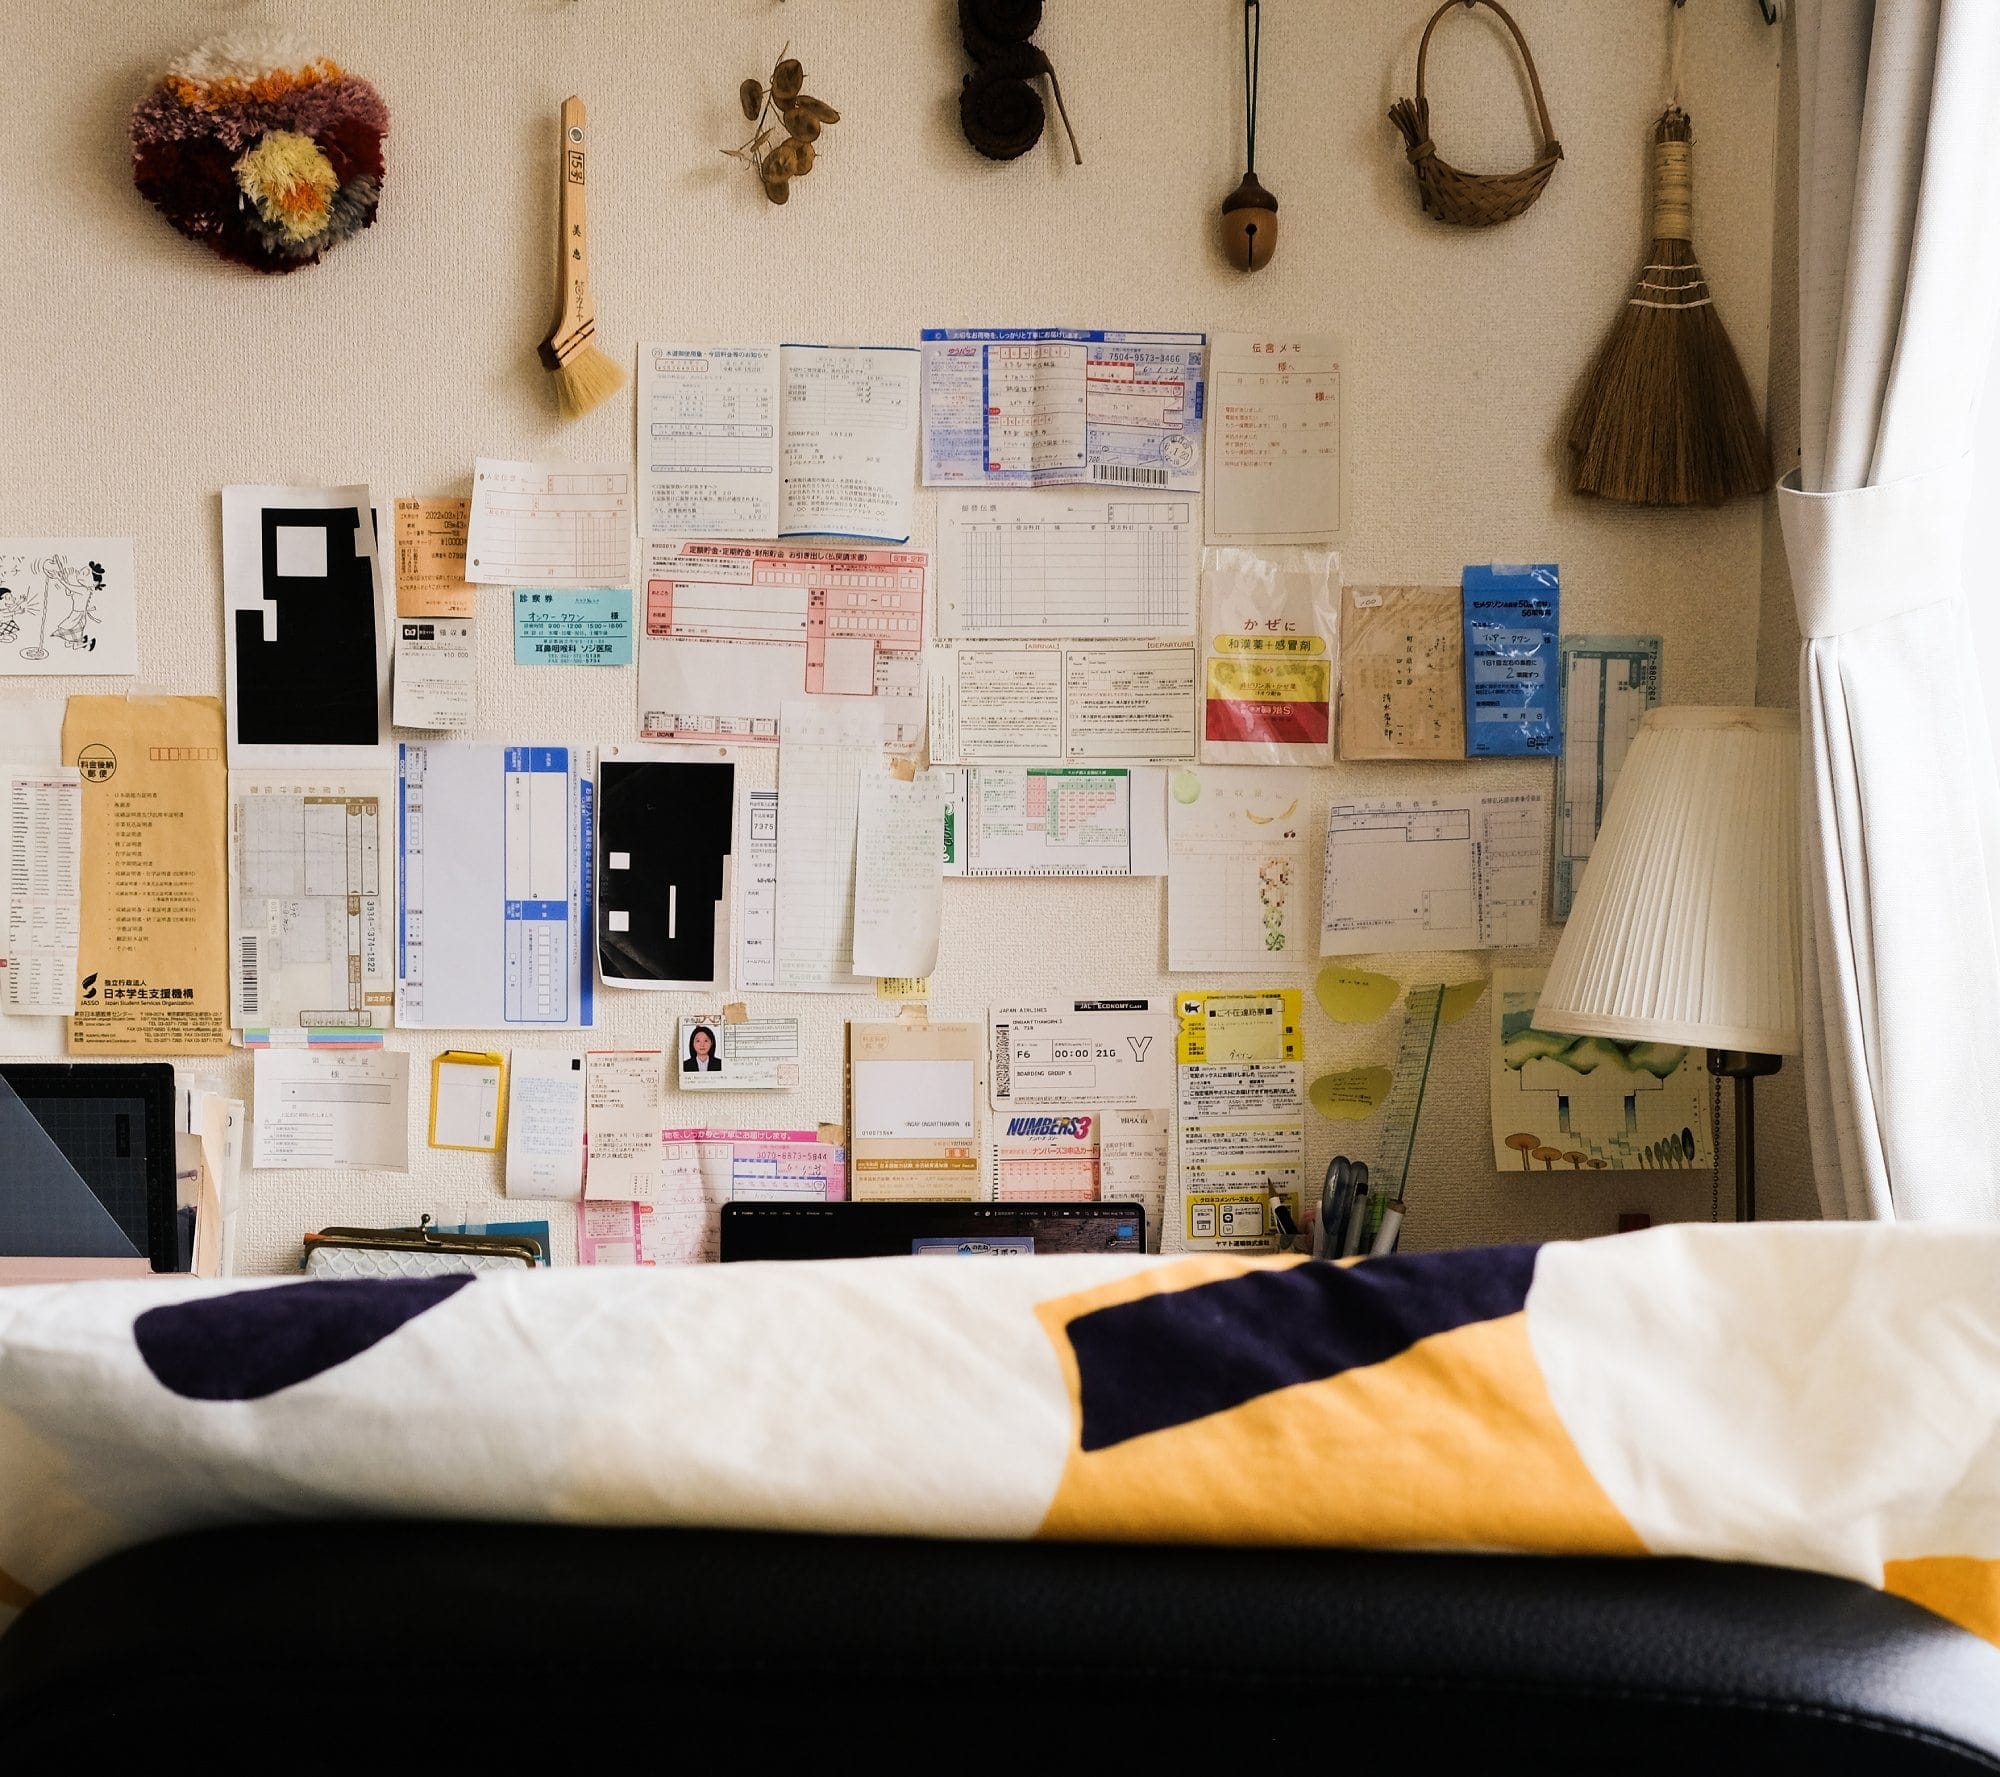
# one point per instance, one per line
(152, 964)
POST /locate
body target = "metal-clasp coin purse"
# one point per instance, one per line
(414, 1252)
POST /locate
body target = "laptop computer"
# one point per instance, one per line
(928, 1230)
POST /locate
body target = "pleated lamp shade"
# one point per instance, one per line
(1686, 926)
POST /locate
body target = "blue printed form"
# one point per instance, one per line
(1045, 406)
(558, 627)
(495, 920)
(1513, 697)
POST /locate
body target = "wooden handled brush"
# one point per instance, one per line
(585, 377)
(1666, 418)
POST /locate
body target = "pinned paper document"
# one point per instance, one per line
(1434, 874)
(306, 628)
(1044, 406)
(1058, 820)
(1274, 438)
(495, 910)
(545, 1118)
(312, 893)
(766, 441)
(914, 1121)
(734, 631)
(465, 1100)
(621, 1123)
(332, 1108)
(1067, 564)
(1236, 843)
(549, 524)
(430, 559)
(68, 605)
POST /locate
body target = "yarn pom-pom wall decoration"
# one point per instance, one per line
(270, 156)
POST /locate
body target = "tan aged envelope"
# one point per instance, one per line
(914, 1095)
(152, 967)
(1402, 674)
(430, 558)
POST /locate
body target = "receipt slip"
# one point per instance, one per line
(623, 1157)
(436, 682)
(721, 1052)
(914, 1112)
(545, 1124)
(430, 559)
(1112, 1052)
(465, 1101)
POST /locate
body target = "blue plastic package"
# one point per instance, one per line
(1513, 702)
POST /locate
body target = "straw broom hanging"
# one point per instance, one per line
(1666, 418)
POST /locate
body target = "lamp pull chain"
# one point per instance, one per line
(1714, 1151)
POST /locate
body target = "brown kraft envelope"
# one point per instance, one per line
(152, 967)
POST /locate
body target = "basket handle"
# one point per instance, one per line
(1520, 42)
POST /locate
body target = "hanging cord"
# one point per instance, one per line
(1715, 1149)
(1253, 49)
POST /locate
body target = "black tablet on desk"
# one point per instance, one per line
(793, 1230)
(87, 1161)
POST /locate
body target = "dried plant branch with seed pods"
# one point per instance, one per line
(785, 122)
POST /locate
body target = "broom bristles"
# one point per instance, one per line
(1666, 417)
(586, 379)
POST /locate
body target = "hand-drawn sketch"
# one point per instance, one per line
(67, 605)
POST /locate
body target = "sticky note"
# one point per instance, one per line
(1459, 999)
(1353, 1093)
(1354, 996)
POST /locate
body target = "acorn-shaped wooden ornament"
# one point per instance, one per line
(1249, 225)
(1250, 213)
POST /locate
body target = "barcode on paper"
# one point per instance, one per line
(1003, 1059)
(1126, 473)
(249, 1001)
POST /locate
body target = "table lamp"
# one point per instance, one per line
(1686, 926)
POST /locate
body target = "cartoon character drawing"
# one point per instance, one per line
(80, 586)
(18, 606)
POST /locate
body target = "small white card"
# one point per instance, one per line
(743, 1055)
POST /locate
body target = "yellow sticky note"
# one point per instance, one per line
(1354, 996)
(1459, 999)
(902, 987)
(1353, 1093)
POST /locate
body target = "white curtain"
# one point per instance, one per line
(1899, 278)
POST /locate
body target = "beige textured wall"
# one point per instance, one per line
(142, 374)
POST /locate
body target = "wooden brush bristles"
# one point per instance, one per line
(584, 380)
(1666, 418)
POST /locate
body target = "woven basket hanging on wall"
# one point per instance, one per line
(1473, 200)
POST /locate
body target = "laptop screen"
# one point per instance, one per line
(928, 1230)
